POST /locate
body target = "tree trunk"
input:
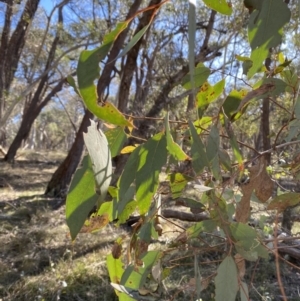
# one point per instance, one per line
(28, 119)
(131, 61)
(11, 49)
(265, 121)
(62, 176)
(35, 106)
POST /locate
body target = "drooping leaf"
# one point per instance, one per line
(152, 157)
(81, 198)
(135, 276)
(202, 124)
(133, 41)
(201, 74)
(178, 182)
(115, 268)
(129, 209)
(204, 226)
(123, 205)
(116, 138)
(174, 149)
(208, 94)
(225, 159)
(222, 6)
(232, 103)
(244, 292)
(95, 223)
(88, 71)
(281, 202)
(125, 293)
(199, 158)
(97, 146)
(265, 30)
(213, 144)
(247, 242)
(226, 281)
(277, 86)
(72, 83)
(233, 142)
(129, 174)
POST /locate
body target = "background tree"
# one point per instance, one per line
(11, 48)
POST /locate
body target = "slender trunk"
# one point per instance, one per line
(35, 106)
(62, 176)
(131, 61)
(265, 121)
(11, 49)
(28, 119)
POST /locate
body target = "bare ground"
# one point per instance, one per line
(37, 258)
(38, 261)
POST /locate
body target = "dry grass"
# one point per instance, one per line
(37, 259)
(39, 262)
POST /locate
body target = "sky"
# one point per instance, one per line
(48, 4)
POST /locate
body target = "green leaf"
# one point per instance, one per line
(81, 197)
(233, 142)
(106, 208)
(231, 104)
(244, 293)
(247, 242)
(116, 138)
(115, 268)
(126, 198)
(128, 174)
(281, 202)
(201, 74)
(265, 30)
(126, 293)
(124, 214)
(204, 226)
(279, 87)
(133, 41)
(72, 83)
(226, 281)
(178, 182)
(88, 71)
(208, 94)
(152, 157)
(225, 159)
(173, 148)
(135, 276)
(221, 6)
(145, 233)
(213, 143)
(199, 158)
(97, 146)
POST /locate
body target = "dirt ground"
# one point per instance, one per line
(38, 261)
(37, 258)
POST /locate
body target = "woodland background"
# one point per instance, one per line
(42, 121)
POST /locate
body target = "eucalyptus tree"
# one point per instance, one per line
(50, 64)
(146, 79)
(222, 212)
(11, 47)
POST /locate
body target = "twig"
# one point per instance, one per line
(277, 260)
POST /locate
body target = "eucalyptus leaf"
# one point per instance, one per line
(97, 146)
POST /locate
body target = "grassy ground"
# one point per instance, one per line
(39, 262)
(37, 259)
